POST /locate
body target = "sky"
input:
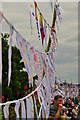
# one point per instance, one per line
(66, 55)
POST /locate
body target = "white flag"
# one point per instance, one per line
(23, 110)
(35, 107)
(6, 111)
(30, 107)
(1, 17)
(0, 61)
(23, 51)
(17, 109)
(10, 54)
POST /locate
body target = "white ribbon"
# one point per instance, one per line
(17, 109)
(6, 111)
(10, 54)
(23, 110)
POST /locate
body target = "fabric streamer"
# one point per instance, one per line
(1, 16)
(23, 50)
(29, 64)
(36, 19)
(51, 4)
(30, 109)
(0, 60)
(35, 107)
(31, 23)
(45, 32)
(6, 111)
(23, 110)
(10, 54)
(17, 106)
(41, 28)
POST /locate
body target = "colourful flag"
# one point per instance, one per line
(41, 28)
(36, 20)
(23, 50)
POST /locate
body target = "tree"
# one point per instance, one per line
(19, 78)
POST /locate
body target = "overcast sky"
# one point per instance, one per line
(66, 55)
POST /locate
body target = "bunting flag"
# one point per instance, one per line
(36, 62)
(23, 110)
(30, 107)
(58, 14)
(41, 28)
(51, 4)
(0, 60)
(53, 38)
(34, 14)
(17, 106)
(45, 32)
(10, 54)
(45, 63)
(23, 50)
(39, 96)
(30, 5)
(50, 59)
(41, 66)
(1, 16)
(36, 19)
(29, 62)
(31, 23)
(35, 107)
(46, 87)
(44, 101)
(6, 111)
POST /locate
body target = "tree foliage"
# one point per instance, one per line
(19, 78)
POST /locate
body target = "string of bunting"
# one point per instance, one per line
(14, 101)
(19, 37)
(46, 67)
(42, 24)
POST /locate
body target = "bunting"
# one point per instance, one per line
(41, 28)
(35, 104)
(17, 106)
(0, 60)
(30, 107)
(44, 65)
(10, 54)
(23, 110)
(58, 14)
(1, 17)
(23, 50)
(51, 4)
(0, 49)
(57, 17)
(36, 19)
(6, 111)
(31, 22)
(45, 32)
(36, 62)
(28, 57)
